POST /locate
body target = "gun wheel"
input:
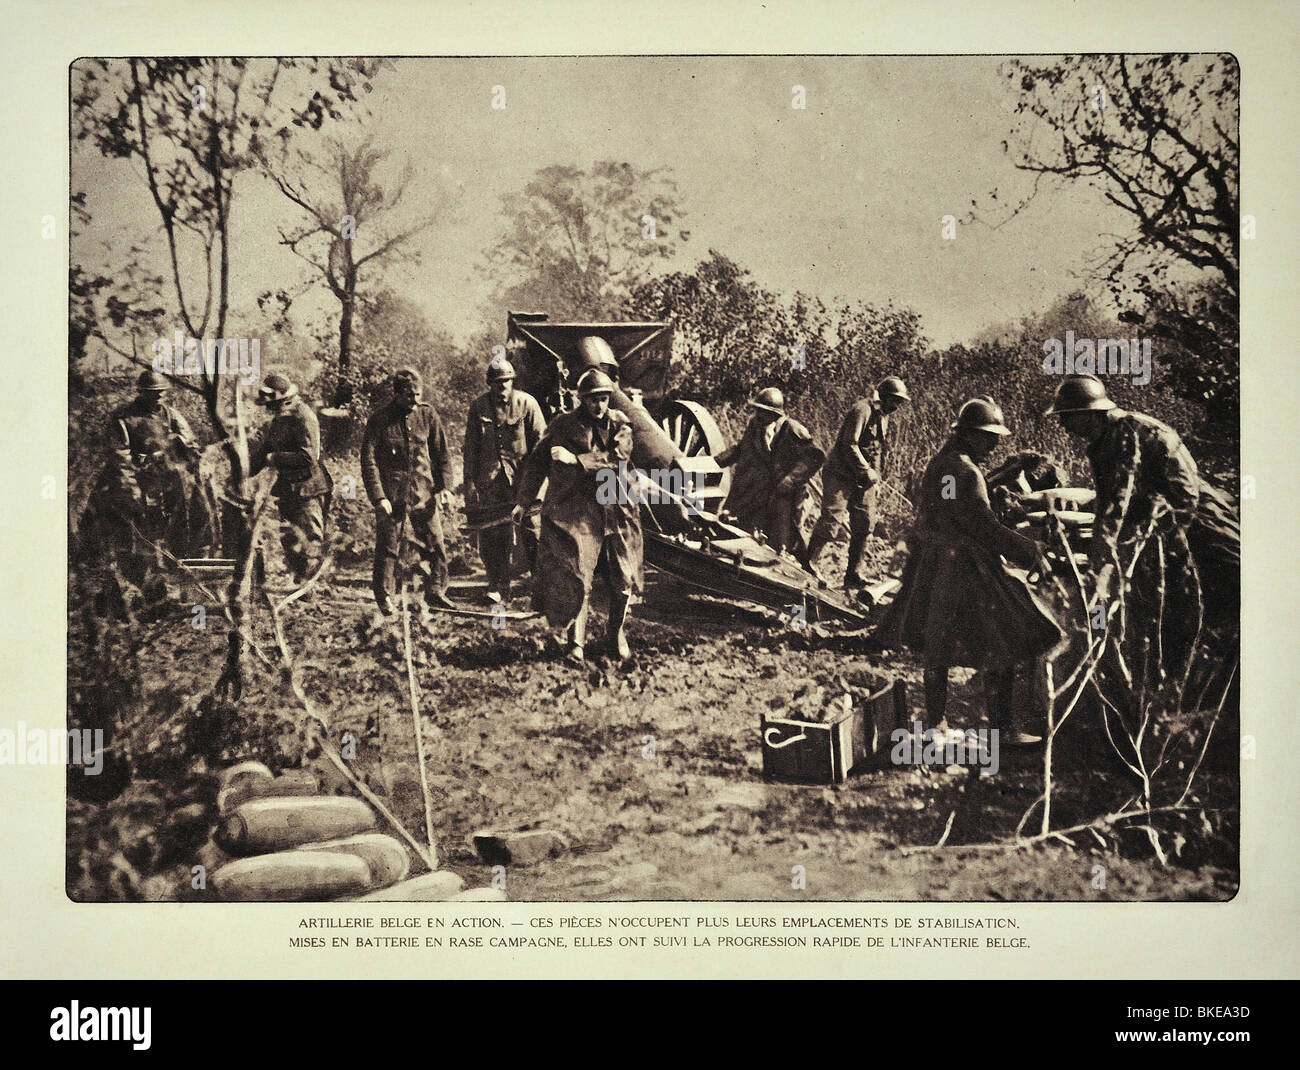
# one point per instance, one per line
(694, 432)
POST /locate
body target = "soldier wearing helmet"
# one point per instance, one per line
(147, 501)
(1154, 518)
(147, 429)
(775, 459)
(406, 468)
(291, 445)
(503, 427)
(854, 468)
(583, 529)
(958, 604)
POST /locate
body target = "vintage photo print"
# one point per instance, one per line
(594, 479)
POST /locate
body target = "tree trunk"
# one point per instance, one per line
(343, 386)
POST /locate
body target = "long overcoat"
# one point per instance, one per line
(584, 519)
(959, 604)
(761, 469)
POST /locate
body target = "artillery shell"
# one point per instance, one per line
(236, 773)
(291, 875)
(430, 888)
(280, 823)
(386, 857)
(296, 782)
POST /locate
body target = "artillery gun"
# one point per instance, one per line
(686, 529)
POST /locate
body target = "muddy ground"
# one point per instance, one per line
(651, 770)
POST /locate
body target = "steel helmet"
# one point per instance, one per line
(893, 387)
(1080, 393)
(500, 370)
(409, 376)
(594, 352)
(594, 381)
(274, 388)
(980, 414)
(771, 399)
(152, 380)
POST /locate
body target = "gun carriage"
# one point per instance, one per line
(686, 528)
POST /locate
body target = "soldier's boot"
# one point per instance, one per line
(853, 577)
(1001, 686)
(382, 584)
(435, 588)
(810, 557)
(615, 630)
(498, 581)
(495, 553)
(435, 599)
(576, 636)
(783, 534)
(936, 698)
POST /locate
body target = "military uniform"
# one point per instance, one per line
(146, 503)
(150, 483)
(853, 469)
(773, 466)
(579, 535)
(302, 486)
(404, 458)
(1148, 493)
(497, 442)
(958, 604)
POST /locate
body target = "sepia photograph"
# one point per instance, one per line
(653, 478)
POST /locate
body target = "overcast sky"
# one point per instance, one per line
(841, 199)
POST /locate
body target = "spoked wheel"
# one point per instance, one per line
(696, 434)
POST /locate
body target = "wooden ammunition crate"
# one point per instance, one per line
(827, 752)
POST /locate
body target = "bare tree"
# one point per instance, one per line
(1156, 134)
(347, 210)
(191, 126)
(1158, 137)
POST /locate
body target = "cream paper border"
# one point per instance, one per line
(43, 935)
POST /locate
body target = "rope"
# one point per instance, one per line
(411, 684)
(317, 732)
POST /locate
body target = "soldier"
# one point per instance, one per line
(291, 444)
(148, 489)
(958, 604)
(407, 473)
(854, 468)
(774, 459)
(582, 533)
(502, 429)
(1157, 524)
